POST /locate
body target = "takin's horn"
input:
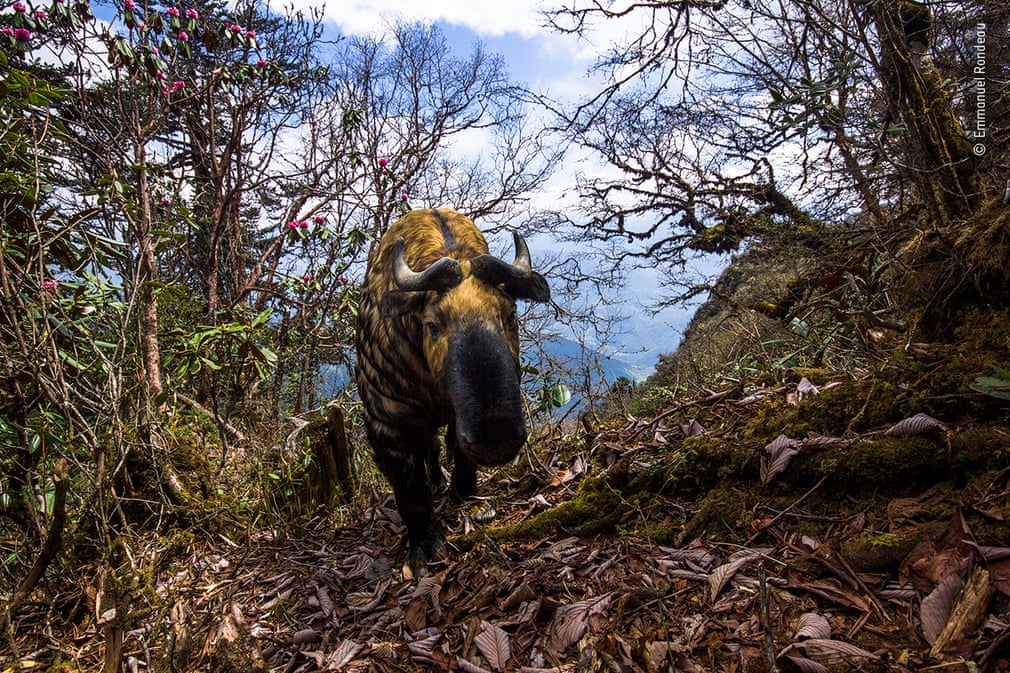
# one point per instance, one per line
(518, 279)
(522, 261)
(441, 275)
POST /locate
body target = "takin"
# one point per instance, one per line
(438, 346)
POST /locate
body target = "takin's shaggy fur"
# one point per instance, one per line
(440, 347)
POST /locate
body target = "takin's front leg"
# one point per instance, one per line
(407, 472)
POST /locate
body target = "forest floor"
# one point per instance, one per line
(643, 545)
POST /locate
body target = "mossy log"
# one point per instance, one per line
(718, 483)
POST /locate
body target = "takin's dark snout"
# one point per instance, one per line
(483, 386)
(438, 346)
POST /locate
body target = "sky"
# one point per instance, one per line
(536, 54)
(550, 63)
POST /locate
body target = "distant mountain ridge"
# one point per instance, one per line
(550, 356)
(571, 354)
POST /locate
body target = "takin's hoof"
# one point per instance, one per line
(420, 556)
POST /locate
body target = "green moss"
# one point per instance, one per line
(596, 509)
(774, 417)
(984, 447)
(725, 512)
(666, 532)
(853, 407)
(885, 552)
(888, 464)
(989, 531)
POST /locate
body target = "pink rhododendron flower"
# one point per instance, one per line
(383, 161)
(161, 75)
(404, 197)
(183, 36)
(19, 6)
(7, 31)
(22, 34)
(130, 5)
(49, 284)
(261, 63)
(304, 224)
(173, 11)
(192, 14)
(154, 50)
(293, 224)
(39, 14)
(250, 34)
(178, 84)
(319, 219)
(166, 201)
(306, 278)
(235, 28)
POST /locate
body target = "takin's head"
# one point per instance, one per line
(470, 337)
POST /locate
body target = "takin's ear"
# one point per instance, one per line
(533, 288)
(519, 282)
(395, 303)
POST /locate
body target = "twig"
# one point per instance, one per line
(711, 399)
(766, 619)
(225, 425)
(755, 536)
(51, 547)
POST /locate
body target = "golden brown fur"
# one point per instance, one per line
(398, 361)
(429, 358)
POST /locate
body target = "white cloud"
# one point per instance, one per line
(487, 18)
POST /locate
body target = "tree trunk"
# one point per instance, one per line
(331, 475)
(148, 275)
(939, 152)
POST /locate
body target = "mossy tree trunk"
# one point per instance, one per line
(330, 477)
(939, 153)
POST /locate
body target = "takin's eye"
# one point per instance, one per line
(432, 328)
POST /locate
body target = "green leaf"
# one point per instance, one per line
(213, 366)
(992, 386)
(262, 318)
(266, 354)
(560, 395)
